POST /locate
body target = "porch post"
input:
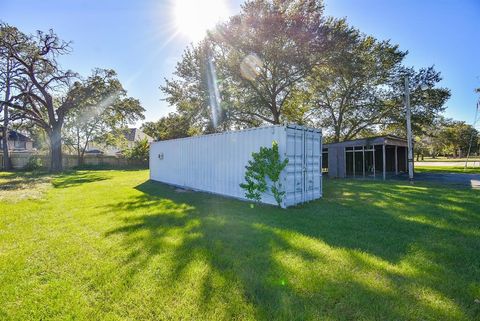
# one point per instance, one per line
(363, 151)
(354, 173)
(374, 161)
(396, 160)
(406, 159)
(384, 162)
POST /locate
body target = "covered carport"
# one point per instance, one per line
(379, 156)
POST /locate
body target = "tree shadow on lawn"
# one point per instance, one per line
(74, 178)
(21, 180)
(18, 180)
(18, 186)
(362, 252)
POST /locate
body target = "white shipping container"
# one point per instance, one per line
(216, 163)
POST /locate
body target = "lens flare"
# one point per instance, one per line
(95, 110)
(250, 67)
(213, 91)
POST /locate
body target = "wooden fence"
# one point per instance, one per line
(20, 159)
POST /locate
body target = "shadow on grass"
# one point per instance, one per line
(16, 181)
(108, 167)
(21, 179)
(19, 186)
(23, 174)
(74, 178)
(366, 251)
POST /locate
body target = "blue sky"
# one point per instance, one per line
(138, 40)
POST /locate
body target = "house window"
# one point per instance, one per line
(20, 144)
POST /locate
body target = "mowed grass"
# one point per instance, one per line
(419, 168)
(447, 159)
(111, 245)
(15, 187)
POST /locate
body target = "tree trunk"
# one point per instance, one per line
(336, 136)
(276, 119)
(55, 136)
(6, 154)
(79, 151)
(81, 159)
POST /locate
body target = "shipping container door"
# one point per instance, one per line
(308, 165)
(295, 185)
(312, 167)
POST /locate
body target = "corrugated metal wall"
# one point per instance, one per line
(216, 163)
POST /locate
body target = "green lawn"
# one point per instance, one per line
(419, 168)
(446, 159)
(111, 245)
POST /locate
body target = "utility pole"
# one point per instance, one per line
(409, 131)
(474, 125)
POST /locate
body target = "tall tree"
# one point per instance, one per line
(169, 127)
(8, 71)
(5, 86)
(282, 61)
(188, 90)
(42, 85)
(260, 57)
(103, 107)
(429, 139)
(458, 135)
(268, 50)
(361, 86)
(6, 80)
(427, 101)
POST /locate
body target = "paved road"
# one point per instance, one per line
(467, 180)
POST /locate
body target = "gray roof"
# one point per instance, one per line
(374, 140)
(14, 135)
(135, 134)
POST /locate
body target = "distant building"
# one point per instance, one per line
(379, 156)
(17, 142)
(132, 136)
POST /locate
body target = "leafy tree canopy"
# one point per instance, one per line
(104, 110)
(169, 127)
(40, 84)
(140, 151)
(283, 61)
(260, 58)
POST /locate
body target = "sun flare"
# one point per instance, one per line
(194, 17)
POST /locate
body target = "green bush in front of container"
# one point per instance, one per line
(264, 164)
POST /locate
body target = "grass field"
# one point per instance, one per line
(110, 245)
(446, 159)
(419, 168)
